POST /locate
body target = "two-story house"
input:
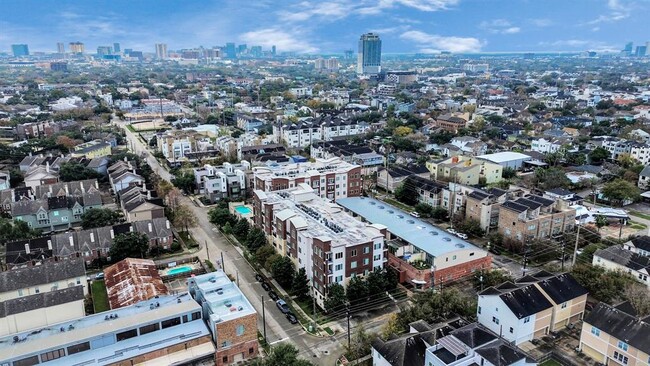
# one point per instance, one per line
(632, 257)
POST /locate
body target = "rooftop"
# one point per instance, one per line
(225, 300)
(321, 166)
(426, 237)
(504, 156)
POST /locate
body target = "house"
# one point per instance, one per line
(39, 296)
(92, 149)
(483, 207)
(532, 307)
(140, 208)
(532, 217)
(227, 181)
(55, 213)
(644, 178)
(40, 175)
(4, 180)
(248, 123)
(507, 159)
(122, 174)
(612, 336)
(469, 145)
(565, 195)
(391, 178)
(131, 281)
(632, 257)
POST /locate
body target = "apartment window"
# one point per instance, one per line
(495, 320)
(338, 279)
(131, 333)
(20, 292)
(185, 317)
(617, 356)
(512, 330)
(338, 267)
(376, 257)
(225, 359)
(353, 253)
(196, 315)
(377, 246)
(366, 250)
(170, 322)
(28, 361)
(149, 328)
(225, 344)
(366, 261)
(564, 305)
(595, 331)
(338, 255)
(622, 345)
(353, 264)
(251, 350)
(36, 290)
(85, 346)
(52, 355)
(453, 258)
(240, 330)
(479, 309)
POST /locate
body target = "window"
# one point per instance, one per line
(353, 253)
(225, 344)
(453, 258)
(338, 267)
(366, 250)
(52, 355)
(240, 330)
(377, 246)
(622, 345)
(85, 346)
(338, 255)
(170, 322)
(29, 361)
(564, 305)
(127, 334)
(196, 315)
(251, 350)
(512, 330)
(366, 261)
(595, 331)
(149, 328)
(376, 257)
(36, 290)
(526, 319)
(20, 292)
(495, 320)
(617, 356)
(479, 309)
(225, 359)
(353, 264)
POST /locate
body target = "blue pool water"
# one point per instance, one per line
(243, 210)
(178, 270)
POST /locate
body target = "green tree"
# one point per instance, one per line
(335, 297)
(360, 344)
(184, 218)
(73, 171)
(600, 222)
(406, 193)
(487, 278)
(15, 177)
(619, 191)
(220, 216)
(241, 228)
(423, 209)
(357, 290)
(508, 173)
(439, 214)
(15, 230)
(283, 354)
(99, 217)
(598, 155)
(185, 181)
(300, 285)
(283, 271)
(263, 253)
(550, 178)
(255, 239)
(129, 245)
(602, 284)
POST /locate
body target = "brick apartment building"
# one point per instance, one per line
(534, 217)
(318, 236)
(331, 178)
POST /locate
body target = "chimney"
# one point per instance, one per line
(150, 228)
(167, 224)
(148, 195)
(112, 234)
(49, 245)
(126, 160)
(131, 228)
(83, 189)
(47, 166)
(71, 239)
(27, 248)
(67, 191)
(92, 237)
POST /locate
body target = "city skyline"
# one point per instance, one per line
(413, 26)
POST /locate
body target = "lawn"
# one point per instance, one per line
(637, 225)
(188, 239)
(550, 362)
(100, 297)
(640, 214)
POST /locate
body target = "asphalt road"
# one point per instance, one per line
(278, 327)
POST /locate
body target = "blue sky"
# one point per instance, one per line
(405, 26)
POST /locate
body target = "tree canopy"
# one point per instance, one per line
(129, 245)
(99, 217)
(619, 191)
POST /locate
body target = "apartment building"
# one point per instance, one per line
(226, 181)
(230, 317)
(465, 170)
(483, 207)
(361, 155)
(423, 255)
(332, 178)
(532, 306)
(163, 331)
(632, 257)
(92, 149)
(450, 123)
(429, 191)
(39, 296)
(324, 128)
(614, 336)
(318, 236)
(535, 217)
(545, 146)
(391, 178)
(177, 146)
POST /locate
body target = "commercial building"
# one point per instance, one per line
(450, 123)
(163, 331)
(131, 281)
(60, 47)
(507, 159)
(401, 77)
(20, 50)
(161, 51)
(39, 296)
(227, 181)
(318, 236)
(465, 170)
(76, 47)
(332, 178)
(230, 317)
(534, 217)
(92, 149)
(615, 336)
(369, 56)
(422, 254)
(532, 306)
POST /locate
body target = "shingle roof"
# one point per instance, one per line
(624, 257)
(620, 325)
(562, 288)
(501, 353)
(41, 300)
(525, 301)
(404, 351)
(20, 278)
(642, 242)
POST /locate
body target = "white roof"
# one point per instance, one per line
(504, 156)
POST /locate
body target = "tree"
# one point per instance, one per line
(284, 354)
(15, 177)
(402, 131)
(184, 217)
(15, 230)
(129, 245)
(598, 155)
(184, 181)
(439, 214)
(638, 295)
(73, 171)
(469, 227)
(335, 297)
(360, 344)
(300, 285)
(255, 239)
(283, 271)
(163, 188)
(600, 222)
(487, 278)
(241, 228)
(263, 253)
(508, 173)
(220, 216)
(550, 178)
(619, 191)
(626, 160)
(357, 290)
(602, 284)
(406, 193)
(423, 209)
(99, 217)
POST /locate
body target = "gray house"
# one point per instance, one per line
(55, 213)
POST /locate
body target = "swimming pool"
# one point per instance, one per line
(243, 210)
(178, 270)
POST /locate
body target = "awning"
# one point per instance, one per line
(419, 282)
(453, 345)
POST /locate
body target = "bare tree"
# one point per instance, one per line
(639, 297)
(184, 217)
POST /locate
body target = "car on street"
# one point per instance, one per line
(99, 276)
(462, 236)
(259, 277)
(284, 308)
(292, 318)
(451, 231)
(266, 286)
(273, 295)
(414, 214)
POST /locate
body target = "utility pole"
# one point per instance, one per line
(348, 314)
(575, 250)
(563, 251)
(264, 320)
(525, 257)
(223, 265)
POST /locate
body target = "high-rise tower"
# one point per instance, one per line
(369, 57)
(161, 51)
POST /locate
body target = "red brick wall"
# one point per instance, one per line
(147, 357)
(358, 258)
(238, 344)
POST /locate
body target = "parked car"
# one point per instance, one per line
(273, 295)
(99, 276)
(415, 214)
(259, 277)
(451, 230)
(266, 286)
(284, 308)
(462, 236)
(292, 318)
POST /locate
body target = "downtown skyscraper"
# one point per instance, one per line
(161, 51)
(369, 57)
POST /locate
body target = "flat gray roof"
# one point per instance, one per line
(421, 234)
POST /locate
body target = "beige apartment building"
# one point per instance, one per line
(465, 170)
(535, 217)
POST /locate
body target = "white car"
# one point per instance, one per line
(415, 214)
(462, 236)
(451, 231)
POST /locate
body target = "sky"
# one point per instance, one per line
(329, 26)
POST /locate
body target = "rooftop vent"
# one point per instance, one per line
(446, 239)
(391, 211)
(460, 245)
(433, 232)
(410, 221)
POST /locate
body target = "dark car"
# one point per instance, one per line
(284, 308)
(273, 295)
(266, 286)
(259, 277)
(292, 318)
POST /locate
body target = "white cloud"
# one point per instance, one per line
(433, 43)
(338, 9)
(389, 30)
(579, 44)
(499, 26)
(542, 22)
(619, 10)
(283, 40)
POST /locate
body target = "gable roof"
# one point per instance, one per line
(20, 278)
(621, 325)
(562, 288)
(404, 351)
(624, 257)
